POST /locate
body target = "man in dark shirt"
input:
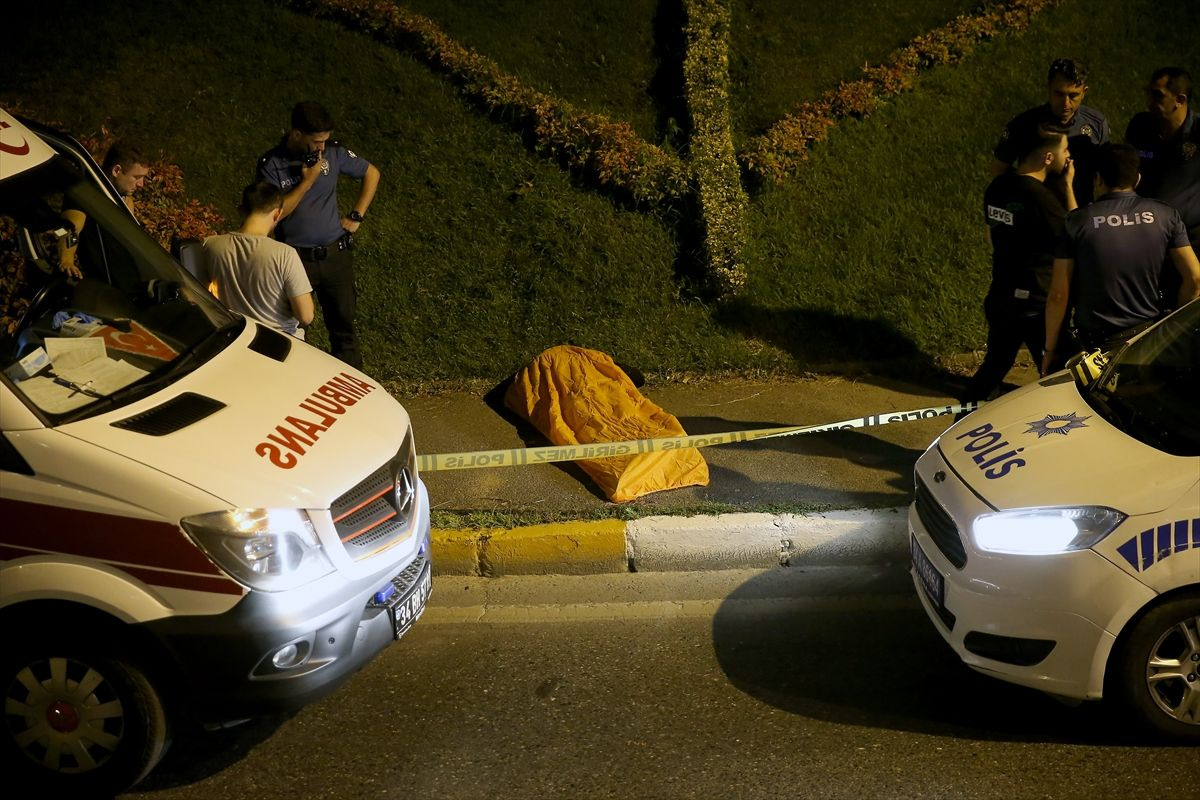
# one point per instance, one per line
(306, 165)
(1025, 220)
(1109, 261)
(1167, 138)
(1086, 128)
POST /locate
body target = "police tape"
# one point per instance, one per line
(518, 456)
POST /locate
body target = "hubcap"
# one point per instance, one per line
(1172, 668)
(64, 715)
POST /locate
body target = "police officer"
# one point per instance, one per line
(1025, 220)
(1167, 138)
(305, 165)
(1086, 128)
(1108, 263)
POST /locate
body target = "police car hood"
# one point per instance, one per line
(290, 432)
(1043, 445)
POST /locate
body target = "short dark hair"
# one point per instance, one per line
(1117, 165)
(125, 153)
(309, 116)
(1041, 139)
(1072, 69)
(260, 197)
(1179, 80)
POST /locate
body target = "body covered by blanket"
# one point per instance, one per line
(577, 396)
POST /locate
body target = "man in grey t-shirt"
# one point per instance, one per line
(256, 275)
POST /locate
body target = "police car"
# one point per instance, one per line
(1055, 532)
(200, 517)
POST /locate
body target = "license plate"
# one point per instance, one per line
(931, 579)
(408, 610)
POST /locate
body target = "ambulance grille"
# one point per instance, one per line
(381, 509)
(939, 525)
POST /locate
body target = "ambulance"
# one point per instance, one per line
(1055, 534)
(201, 518)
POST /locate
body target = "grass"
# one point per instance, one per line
(784, 52)
(477, 255)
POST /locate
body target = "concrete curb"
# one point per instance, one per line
(675, 544)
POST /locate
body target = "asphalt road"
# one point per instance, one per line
(823, 683)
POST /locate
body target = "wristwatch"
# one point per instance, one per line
(354, 216)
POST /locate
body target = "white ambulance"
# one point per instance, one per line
(1055, 535)
(199, 517)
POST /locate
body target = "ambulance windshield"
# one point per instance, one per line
(88, 316)
(1150, 389)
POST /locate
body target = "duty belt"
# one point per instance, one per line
(321, 252)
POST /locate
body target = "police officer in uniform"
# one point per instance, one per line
(1086, 128)
(1167, 138)
(305, 165)
(1108, 263)
(1025, 220)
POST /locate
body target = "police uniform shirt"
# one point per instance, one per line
(1119, 243)
(316, 221)
(1087, 132)
(1170, 168)
(1026, 220)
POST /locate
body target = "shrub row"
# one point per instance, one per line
(162, 207)
(610, 152)
(721, 200)
(777, 154)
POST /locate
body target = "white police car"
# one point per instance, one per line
(1055, 533)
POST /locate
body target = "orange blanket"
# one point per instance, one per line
(577, 396)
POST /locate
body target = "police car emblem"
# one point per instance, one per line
(1060, 424)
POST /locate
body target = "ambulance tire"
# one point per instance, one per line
(63, 686)
(1164, 642)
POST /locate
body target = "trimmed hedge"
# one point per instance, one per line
(721, 200)
(777, 154)
(610, 152)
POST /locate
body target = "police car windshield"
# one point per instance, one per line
(1150, 389)
(127, 313)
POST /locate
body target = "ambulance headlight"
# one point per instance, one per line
(269, 549)
(1042, 531)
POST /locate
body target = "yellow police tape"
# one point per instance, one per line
(437, 462)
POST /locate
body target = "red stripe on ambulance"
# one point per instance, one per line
(158, 553)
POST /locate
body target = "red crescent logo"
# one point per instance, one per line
(16, 150)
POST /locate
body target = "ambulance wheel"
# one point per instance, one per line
(1157, 665)
(77, 722)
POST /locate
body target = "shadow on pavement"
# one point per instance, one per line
(196, 754)
(870, 657)
(835, 343)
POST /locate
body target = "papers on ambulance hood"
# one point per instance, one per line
(80, 372)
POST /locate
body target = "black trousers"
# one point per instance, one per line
(332, 279)
(1009, 327)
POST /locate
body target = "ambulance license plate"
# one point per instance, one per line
(931, 579)
(409, 609)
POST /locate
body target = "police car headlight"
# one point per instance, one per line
(268, 549)
(1042, 531)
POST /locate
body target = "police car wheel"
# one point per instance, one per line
(79, 724)
(1158, 669)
